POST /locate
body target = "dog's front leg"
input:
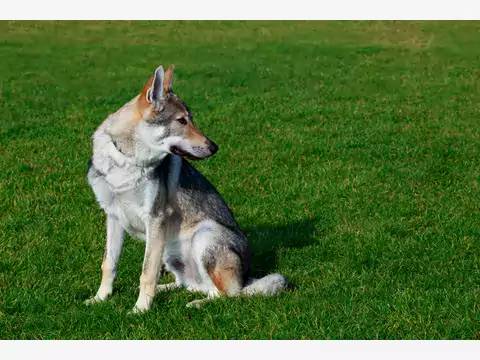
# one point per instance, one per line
(113, 248)
(151, 265)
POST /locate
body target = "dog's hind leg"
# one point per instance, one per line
(113, 248)
(226, 278)
(226, 275)
(167, 287)
(219, 268)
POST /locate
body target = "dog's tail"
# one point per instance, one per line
(268, 285)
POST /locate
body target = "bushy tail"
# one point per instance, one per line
(268, 285)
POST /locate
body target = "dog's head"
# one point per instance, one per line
(166, 124)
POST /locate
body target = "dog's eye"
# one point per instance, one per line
(182, 121)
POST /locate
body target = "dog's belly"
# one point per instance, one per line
(178, 260)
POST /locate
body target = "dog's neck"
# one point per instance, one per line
(127, 146)
(133, 156)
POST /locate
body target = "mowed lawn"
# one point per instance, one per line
(349, 153)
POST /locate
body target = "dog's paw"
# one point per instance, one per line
(142, 306)
(94, 300)
(137, 311)
(196, 303)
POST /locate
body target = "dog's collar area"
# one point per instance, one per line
(135, 162)
(118, 149)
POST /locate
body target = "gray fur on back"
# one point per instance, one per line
(197, 200)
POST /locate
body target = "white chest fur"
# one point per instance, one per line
(128, 194)
(122, 189)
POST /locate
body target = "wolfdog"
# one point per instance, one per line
(145, 185)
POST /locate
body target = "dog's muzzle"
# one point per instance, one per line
(213, 148)
(198, 152)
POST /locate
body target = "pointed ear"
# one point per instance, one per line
(167, 82)
(152, 93)
(145, 97)
(156, 93)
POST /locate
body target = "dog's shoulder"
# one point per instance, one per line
(197, 197)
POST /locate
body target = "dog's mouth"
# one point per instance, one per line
(177, 151)
(192, 157)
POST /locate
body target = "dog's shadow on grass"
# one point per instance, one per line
(268, 240)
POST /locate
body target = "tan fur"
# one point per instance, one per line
(125, 118)
(218, 280)
(106, 271)
(136, 109)
(195, 136)
(226, 279)
(167, 81)
(143, 106)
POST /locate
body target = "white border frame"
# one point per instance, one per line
(211, 350)
(241, 10)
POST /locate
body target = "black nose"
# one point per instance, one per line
(212, 147)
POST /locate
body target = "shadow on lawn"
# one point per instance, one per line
(267, 240)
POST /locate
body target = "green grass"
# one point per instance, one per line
(349, 153)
